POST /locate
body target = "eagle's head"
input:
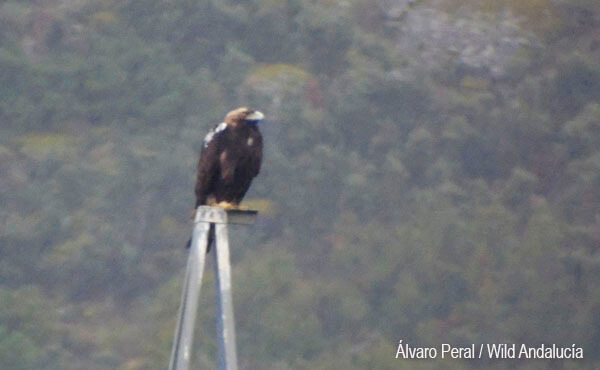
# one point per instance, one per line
(243, 114)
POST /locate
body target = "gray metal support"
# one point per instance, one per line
(181, 353)
(227, 357)
(182, 344)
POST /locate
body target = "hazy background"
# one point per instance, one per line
(431, 174)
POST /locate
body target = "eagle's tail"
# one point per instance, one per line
(211, 238)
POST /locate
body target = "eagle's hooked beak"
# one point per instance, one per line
(255, 116)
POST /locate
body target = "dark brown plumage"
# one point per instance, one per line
(231, 157)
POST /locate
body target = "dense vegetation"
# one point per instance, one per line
(409, 191)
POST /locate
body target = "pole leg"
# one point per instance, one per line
(184, 333)
(227, 357)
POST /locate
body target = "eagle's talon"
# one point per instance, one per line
(227, 205)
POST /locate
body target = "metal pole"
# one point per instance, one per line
(207, 217)
(184, 333)
(227, 357)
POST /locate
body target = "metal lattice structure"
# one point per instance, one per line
(207, 219)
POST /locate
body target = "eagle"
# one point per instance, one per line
(231, 157)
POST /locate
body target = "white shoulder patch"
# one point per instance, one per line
(208, 138)
(222, 126)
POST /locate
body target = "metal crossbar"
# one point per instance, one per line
(217, 219)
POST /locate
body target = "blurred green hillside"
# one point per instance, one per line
(431, 175)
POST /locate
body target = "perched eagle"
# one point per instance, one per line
(230, 158)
